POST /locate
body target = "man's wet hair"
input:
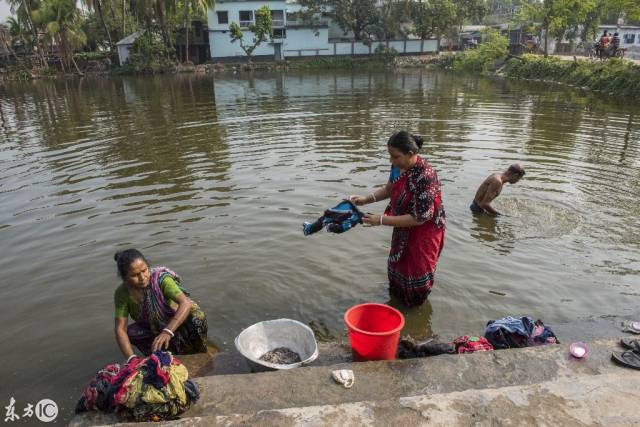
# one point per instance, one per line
(516, 169)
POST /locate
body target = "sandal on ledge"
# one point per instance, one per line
(631, 344)
(628, 358)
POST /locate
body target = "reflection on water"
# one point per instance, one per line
(495, 232)
(214, 177)
(417, 319)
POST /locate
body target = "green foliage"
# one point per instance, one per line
(616, 76)
(92, 56)
(434, 18)
(148, 55)
(339, 63)
(384, 53)
(356, 16)
(483, 58)
(568, 19)
(262, 30)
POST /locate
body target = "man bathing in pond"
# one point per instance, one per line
(491, 188)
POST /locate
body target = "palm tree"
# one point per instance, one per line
(8, 33)
(97, 6)
(24, 12)
(193, 6)
(62, 21)
(156, 10)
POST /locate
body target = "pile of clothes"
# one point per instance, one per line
(153, 388)
(506, 332)
(512, 332)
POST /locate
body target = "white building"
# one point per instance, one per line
(291, 38)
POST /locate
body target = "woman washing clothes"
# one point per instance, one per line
(164, 315)
(417, 216)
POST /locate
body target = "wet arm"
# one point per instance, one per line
(406, 220)
(184, 308)
(122, 338)
(164, 337)
(381, 193)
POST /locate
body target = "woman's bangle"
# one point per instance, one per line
(381, 217)
(131, 357)
(169, 331)
(373, 196)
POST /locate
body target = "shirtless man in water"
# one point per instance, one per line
(491, 188)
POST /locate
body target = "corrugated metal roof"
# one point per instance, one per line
(129, 39)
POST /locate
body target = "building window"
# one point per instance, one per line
(223, 17)
(279, 33)
(629, 38)
(277, 18)
(246, 18)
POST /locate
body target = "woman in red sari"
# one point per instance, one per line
(417, 216)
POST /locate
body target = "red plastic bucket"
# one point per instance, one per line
(374, 331)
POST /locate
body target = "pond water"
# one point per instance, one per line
(214, 177)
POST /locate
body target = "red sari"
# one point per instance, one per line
(415, 250)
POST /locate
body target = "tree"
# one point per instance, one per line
(558, 18)
(7, 34)
(262, 30)
(24, 10)
(97, 6)
(392, 15)
(433, 18)
(355, 16)
(192, 7)
(62, 21)
(471, 11)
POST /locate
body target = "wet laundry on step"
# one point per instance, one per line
(516, 332)
(153, 388)
(471, 344)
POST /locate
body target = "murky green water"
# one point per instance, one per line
(213, 178)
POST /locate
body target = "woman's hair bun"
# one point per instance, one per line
(418, 139)
(116, 256)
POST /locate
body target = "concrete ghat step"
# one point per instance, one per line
(387, 381)
(605, 400)
(583, 400)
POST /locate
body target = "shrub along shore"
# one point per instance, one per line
(613, 77)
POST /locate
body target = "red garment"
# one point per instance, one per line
(415, 250)
(604, 41)
(471, 344)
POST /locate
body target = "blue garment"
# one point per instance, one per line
(192, 390)
(509, 332)
(344, 216)
(394, 174)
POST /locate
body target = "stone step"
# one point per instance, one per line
(226, 395)
(582, 400)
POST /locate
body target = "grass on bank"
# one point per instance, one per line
(615, 76)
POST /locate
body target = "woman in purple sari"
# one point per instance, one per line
(164, 315)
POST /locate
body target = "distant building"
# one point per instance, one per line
(125, 45)
(291, 36)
